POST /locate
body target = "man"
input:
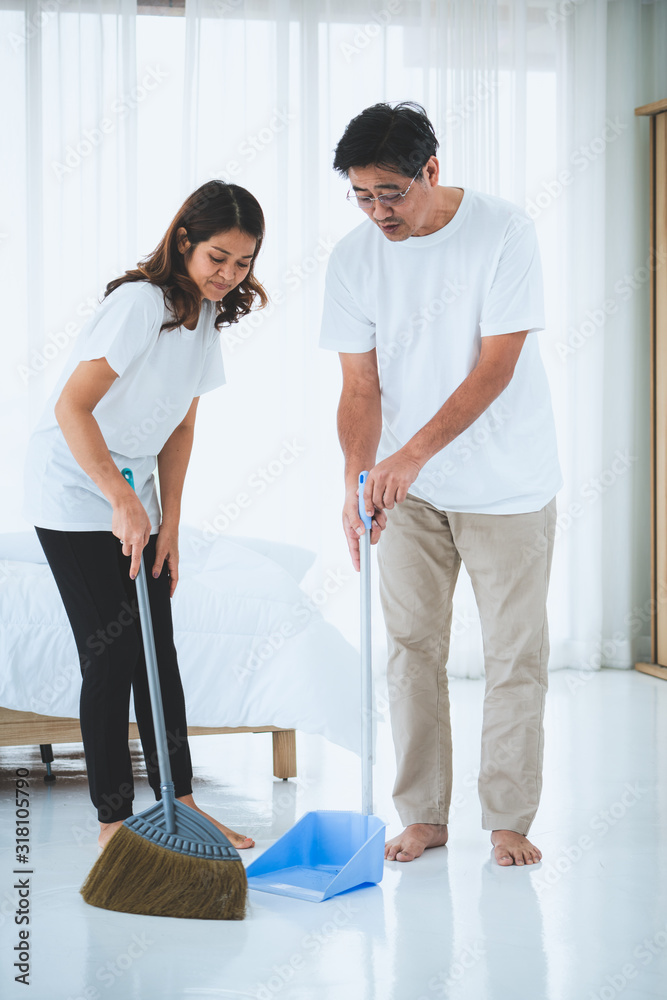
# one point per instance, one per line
(433, 304)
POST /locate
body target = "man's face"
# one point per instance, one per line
(407, 216)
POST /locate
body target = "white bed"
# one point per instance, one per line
(253, 650)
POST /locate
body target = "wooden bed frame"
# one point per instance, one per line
(29, 729)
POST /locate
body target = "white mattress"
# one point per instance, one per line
(252, 649)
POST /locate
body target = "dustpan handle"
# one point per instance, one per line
(164, 767)
(366, 663)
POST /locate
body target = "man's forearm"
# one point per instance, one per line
(475, 394)
(172, 463)
(359, 429)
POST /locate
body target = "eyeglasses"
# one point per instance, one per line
(384, 199)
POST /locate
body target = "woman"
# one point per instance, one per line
(128, 397)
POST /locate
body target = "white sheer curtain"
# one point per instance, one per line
(532, 101)
(68, 195)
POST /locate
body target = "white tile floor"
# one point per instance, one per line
(588, 923)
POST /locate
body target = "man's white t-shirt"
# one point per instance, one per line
(424, 304)
(159, 374)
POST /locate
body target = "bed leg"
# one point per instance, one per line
(46, 750)
(284, 753)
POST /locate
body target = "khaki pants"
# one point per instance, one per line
(508, 558)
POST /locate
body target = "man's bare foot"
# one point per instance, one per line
(237, 839)
(414, 840)
(107, 831)
(512, 848)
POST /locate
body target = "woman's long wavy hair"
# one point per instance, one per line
(213, 208)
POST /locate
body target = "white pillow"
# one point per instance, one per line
(21, 546)
(194, 546)
(24, 546)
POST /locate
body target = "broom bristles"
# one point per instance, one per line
(134, 875)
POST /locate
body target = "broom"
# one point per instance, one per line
(168, 861)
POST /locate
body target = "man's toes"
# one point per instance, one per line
(405, 856)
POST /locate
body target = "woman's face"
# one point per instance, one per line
(219, 264)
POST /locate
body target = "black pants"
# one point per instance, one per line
(92, 575)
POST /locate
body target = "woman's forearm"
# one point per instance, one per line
(84, 439)
(172, 463)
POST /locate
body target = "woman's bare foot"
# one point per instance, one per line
(511, 848)
(107, 831)
(237, 839)
(414, 840)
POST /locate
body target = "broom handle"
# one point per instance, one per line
(164, 767)
(366, 664)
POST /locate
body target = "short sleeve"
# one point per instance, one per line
(127, 322)
(344, 326)
(515, 300)
(213, 372)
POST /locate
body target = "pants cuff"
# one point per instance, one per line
(496, 821)
(179, 790)
(423, 816)
(107, 815)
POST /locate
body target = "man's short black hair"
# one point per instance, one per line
(398, 138)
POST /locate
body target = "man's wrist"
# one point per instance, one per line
(415, 452)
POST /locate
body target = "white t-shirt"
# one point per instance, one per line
(159, 374)
(424, 304)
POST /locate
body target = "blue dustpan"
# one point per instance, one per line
(329, 852)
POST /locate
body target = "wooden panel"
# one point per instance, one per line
(659, 318)
(26, 728)
(284, 754)
(653, 669)
(652, 109)
(652, 441)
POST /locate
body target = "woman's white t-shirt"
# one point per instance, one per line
(424, 304)
(159, 374)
